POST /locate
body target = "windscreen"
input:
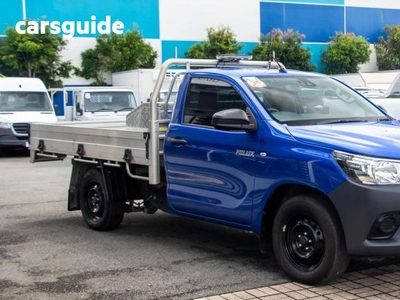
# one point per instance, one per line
(109, 101)
(302, 100)
(24, 101)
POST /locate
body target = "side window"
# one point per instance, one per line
(206, 96)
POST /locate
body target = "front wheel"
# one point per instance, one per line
(98, 212)
(308, 240)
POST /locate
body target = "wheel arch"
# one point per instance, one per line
(280, 195)
(118, 185)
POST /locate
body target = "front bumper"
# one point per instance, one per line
(359, 206)
(9, 139)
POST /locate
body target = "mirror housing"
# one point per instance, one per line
(79, 110)
(232, 119)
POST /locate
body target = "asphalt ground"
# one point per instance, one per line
(47, 252)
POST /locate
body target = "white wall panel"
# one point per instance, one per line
(77, 45)
(72, 52)
(374, 3)
(189, 19)
(156, 44)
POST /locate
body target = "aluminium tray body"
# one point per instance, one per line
(105, 140)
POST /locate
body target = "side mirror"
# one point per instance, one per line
(78, 109)
(56, 109)
(232, 119)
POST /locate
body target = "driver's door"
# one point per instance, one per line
(210, 172)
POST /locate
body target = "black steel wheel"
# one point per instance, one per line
(308, 240)
(95, 202)
(305, 244)
(98, 212)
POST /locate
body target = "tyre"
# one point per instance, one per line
(308, 240)
(98, 212)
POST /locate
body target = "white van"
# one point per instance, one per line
(22, 101)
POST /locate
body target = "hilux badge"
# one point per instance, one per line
(246, 153)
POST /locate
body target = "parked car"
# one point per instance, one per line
(22, 101)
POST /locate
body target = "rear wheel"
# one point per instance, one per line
(98, 212)
(308, 240)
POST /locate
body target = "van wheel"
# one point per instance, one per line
(308, 240)
(98, 212)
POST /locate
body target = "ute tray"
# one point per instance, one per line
(105, 140)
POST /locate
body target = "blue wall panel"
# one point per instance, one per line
(144, 13)
(10, 13)
(331, 2)
(370, 22)
(316, 54)
(248, 48)
(168, 50)
(272, 15)
(310, 20)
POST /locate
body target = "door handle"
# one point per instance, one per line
(178, 141)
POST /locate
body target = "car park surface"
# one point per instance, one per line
(48, 253)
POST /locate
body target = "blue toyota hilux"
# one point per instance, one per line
(293, 156)
(300, 159)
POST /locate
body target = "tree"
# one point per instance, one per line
(219, 41)
(388, 51)
(114, 53)
(287, 47)
(344, 53)
(34, 55)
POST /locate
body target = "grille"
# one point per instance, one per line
(20, 128)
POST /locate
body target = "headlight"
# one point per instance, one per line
(5, 125)
(368, 170)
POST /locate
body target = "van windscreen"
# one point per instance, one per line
(24, 101)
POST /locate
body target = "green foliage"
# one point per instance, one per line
(34, 55)
(287, 47)
(344, 53)
(388, 52)
(92, 67)
(114, 53)
(219, 41)
(3, 70)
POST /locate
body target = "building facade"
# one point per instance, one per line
(173, 26)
